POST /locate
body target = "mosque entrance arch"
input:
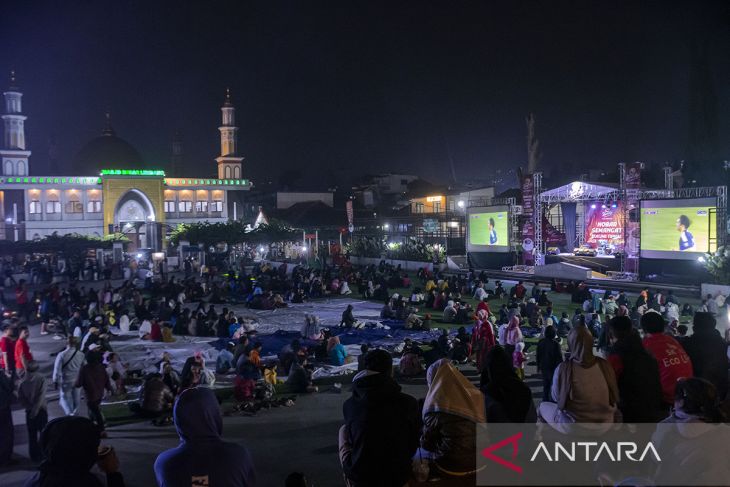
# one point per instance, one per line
(131, 214)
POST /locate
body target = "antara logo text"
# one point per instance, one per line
(574, 451)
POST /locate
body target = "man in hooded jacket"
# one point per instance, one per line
(708, 352)
(203, 458)
(382, 427)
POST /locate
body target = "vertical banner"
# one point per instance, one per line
(633, 176)
(528, 195)
(604, 226)
(348, 209)
(632, 183)
(528, 223)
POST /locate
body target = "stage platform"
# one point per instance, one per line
(600, 263)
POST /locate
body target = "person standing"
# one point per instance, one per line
(549, 356)
(203, 458)
(32, 395)
(378, 414)
(7, 431)
(708, 352)
(94, 380)
(22, 351)
(7, 351)
(65, 371)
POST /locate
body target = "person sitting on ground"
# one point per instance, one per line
(202, 456)
(71, 448)
(311, 329)
(417, 297)
(336, 351)
(224, 362)
(378, 414)
(145, 329)
(413, 321)
(155, 400)
(171, 379)
(299, 379)
(507, 399)
(451, 410)
(387, 312)
(708, 351)
(637, 375)
(449, 315)
(584, 388)
(672, 359)
(692, 438)
(348, 319)
(410, 362)
(364, 349)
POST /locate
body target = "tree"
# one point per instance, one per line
(718, 264)
(533, 145)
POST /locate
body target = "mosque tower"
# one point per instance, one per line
(229, 162)
(13, 153)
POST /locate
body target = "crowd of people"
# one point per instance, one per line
(612, 361)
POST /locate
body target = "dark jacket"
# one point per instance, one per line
(156, 397)
(549, 356)
(202, 455)
(383, 425)
(639, 386)
(708, 352)
(94, 379)
(452, 438)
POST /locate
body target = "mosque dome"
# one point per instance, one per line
(106, 152)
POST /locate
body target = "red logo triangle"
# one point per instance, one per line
(487, 452)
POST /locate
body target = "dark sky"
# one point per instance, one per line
(368, 86)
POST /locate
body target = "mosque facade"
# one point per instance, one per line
(109, 188)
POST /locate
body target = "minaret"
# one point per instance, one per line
(13, 153)
(229, 162)
(177, 154)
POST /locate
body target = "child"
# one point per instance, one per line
(518, 360)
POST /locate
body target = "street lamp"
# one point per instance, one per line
(386, 226)
(460, 204)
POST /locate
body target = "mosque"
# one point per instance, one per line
(110, 189)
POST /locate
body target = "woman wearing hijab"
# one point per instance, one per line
(507, 399)
(70, 446)
(513, 335)
(584, 387)
(451, 410)
(482, 339)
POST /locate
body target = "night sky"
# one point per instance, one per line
(338, 89)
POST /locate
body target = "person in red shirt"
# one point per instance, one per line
(484, 305)
(520, 290)
(21, 299)
(7, 351)
(673, 361)
(22, 350)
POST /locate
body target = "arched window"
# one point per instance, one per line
(73, 202)
(237, 172)
(228, 172)
(8, 168)
(53, 203)
(21, 168)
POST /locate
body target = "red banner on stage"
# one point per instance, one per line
(604, 225)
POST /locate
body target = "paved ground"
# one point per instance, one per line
(282, 440)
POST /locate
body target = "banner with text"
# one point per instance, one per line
(604, 225)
